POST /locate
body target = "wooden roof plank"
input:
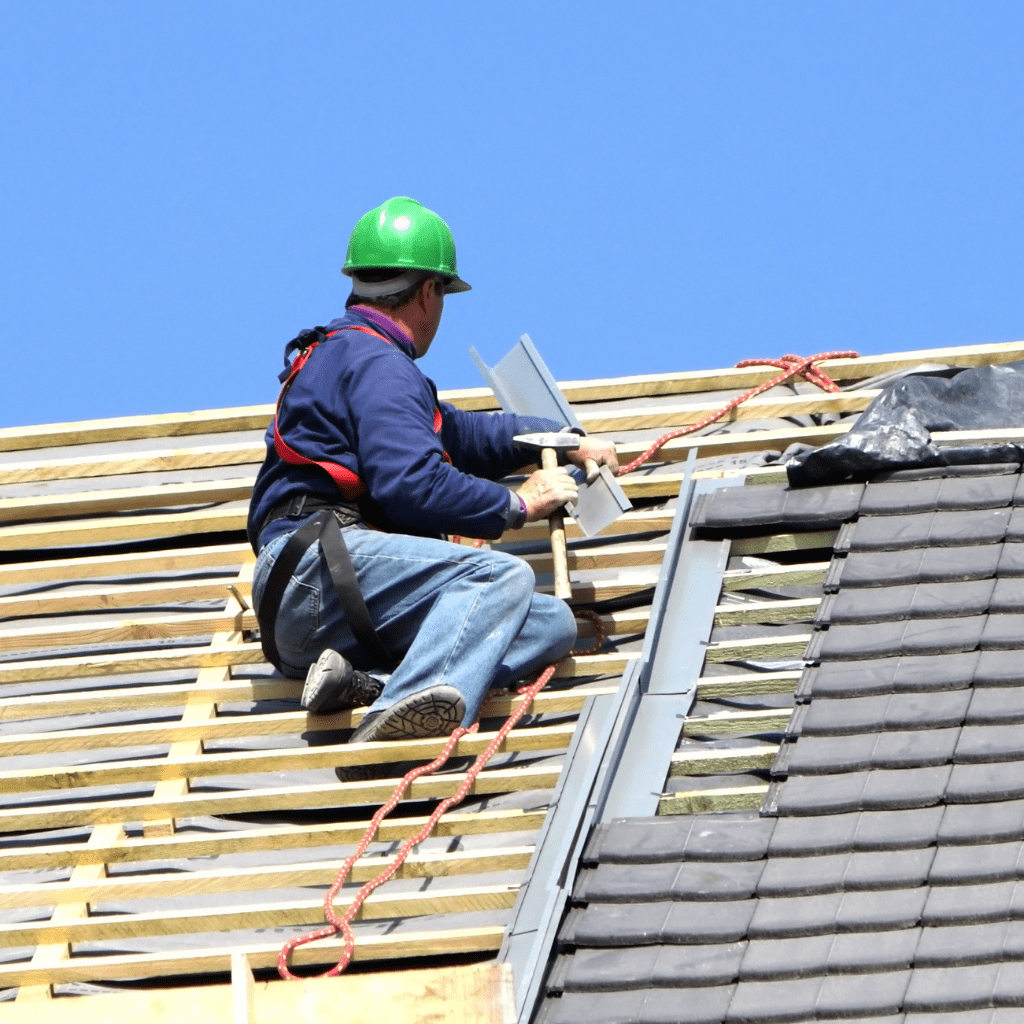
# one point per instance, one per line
(284, 837)
(165, 885)
(254, 801)
(380, 905)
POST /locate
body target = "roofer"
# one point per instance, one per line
(360, 441)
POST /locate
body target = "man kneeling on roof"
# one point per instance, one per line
(365, 472)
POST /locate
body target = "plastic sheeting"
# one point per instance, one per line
(894, 432)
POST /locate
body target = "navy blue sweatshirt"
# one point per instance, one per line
(361, 402)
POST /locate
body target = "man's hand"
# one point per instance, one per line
(547, 490)
(602, 452)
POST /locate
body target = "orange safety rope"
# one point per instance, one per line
(790, 366)
(343, 923)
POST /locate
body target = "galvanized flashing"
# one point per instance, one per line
(538, 910)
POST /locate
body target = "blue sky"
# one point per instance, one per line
(641, 187)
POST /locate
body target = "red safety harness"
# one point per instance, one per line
(350, 484)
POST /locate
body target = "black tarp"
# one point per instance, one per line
(894, 432)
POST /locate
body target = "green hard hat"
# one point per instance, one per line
(403, 234)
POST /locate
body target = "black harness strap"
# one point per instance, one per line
(323, 528)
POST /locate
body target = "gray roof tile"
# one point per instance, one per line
(935, 600)
(1002, 633)
(803, 876)
(627, 883)
(637, 841)
(889, 675)
(832, 833)
(1013, 940)
(991, 706)
(900, 497)
(943, 636)
(593, 1008)
(1009, 990)
(977, 492)
(881, 911)
(698, 965)
(897, 712)
(913, 749)
(857, 642)
(616, 924)
(881, 568)
(1011, 558)
(967, 563)
(790, 916)
(951, 988)
(794, 999)
(990, 901)
(899, 829)
(692, 1006)
(1007, 596)
(822, 794)
(982, 823)
(805, 955)
(891, 533)
(990, 743)
(824, 755)
(1015, 528)
(871, 605)
(985, 783)
(999, 668)
(950, 946)
(856, 952)
(605, 970)
(889, 869)
(962, 865)
(729, 837)
(843, 994)
(956, 529)
(892, 789)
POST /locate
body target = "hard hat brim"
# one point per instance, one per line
(456, 284)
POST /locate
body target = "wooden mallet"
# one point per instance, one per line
(549, 445)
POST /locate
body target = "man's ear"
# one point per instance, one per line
(423, 293)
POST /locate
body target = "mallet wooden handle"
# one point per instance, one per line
(556, 523)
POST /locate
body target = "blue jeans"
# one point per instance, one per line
(456, 615)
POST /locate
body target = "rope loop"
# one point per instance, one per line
(789, 366)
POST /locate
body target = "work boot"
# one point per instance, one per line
(436, 711)
(332, 684)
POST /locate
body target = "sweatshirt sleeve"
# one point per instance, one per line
(401, 458)
(481, 443)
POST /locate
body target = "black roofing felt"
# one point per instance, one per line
(883, 878)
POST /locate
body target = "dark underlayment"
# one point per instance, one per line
(882, 879)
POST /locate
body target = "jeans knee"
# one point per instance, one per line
(559, 624)
(516, 580)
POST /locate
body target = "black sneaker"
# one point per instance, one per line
(436, 711)
(332, 684)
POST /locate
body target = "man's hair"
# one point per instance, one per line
(386, 302)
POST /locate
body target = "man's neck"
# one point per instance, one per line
(385, 320)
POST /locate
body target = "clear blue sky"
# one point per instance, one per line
(642, 187)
